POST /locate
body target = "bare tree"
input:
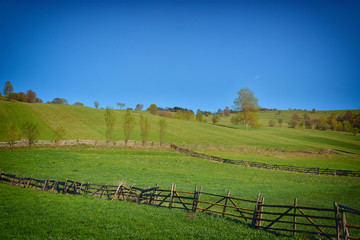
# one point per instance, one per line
(128, 125)
(162, 129)
(145, 128)
(109, 122)
(13, 134)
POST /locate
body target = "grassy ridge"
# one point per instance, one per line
(88, 123)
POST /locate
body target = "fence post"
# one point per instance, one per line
(171, 194)
(29, 182)
(198, 193)
(255, 211)
(345, 229)
(226, 200)
(45, 185)
(294, 227)
(194, 200)
(336, 210)
(87, 188)
(260, 208)
(65, 186)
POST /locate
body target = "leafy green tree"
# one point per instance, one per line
(355, 131)
(31, 132)
(78, 104)
(321, 124)
(8, 88)
(153, 109)
(109, 122)
(59, 133)
(139, 107)
(199, 115)
(215, 118)
(13, 134)
(96, 104)
(162, 130)
(333, 122)
(247, 104)
(128, 125)
(30, 96)
(145, 128)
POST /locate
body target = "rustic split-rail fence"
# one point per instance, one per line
(289, 168)
(337, 222)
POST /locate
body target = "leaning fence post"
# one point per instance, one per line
(198, 194)
(255, 211)
(345, 229)
(226, 200)
(171, 194)
(336, 210)
(65, 185)
(260, 208)
(294, 227)
(194, 199)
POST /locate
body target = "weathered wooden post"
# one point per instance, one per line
(171, 194)
(226, 201)
(253, 223)
(294, 226)
(336, 210)
(344, 227)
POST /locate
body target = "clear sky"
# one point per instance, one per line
(192, 54)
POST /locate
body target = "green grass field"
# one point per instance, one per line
(59, 216)
(88, 123)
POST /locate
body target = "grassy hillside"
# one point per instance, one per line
(88, 123)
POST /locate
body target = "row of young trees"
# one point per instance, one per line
(128, 125)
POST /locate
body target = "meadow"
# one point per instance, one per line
(59, 216)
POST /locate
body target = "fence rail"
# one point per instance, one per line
(340, 222)
(288, 168)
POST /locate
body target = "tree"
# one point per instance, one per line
(215, 118)
(30, 96)
(78, 104)
(96, 104)
(128, 125)
(13, 134)
(121, 105)
(322, 124)
(58, 101)
(145, 128)
(280, 122)
(153, 109)
(109, 122)
(313, 110)
(220, 112)
(8, 88)
(162, 129)
(227, 111)
(199, 115)
(247, 104)
(272, 123)
(31, 132)
(333, 123)
(295, 121)
(59, 133)
(139, 107)
(355, 131)
(38, 100)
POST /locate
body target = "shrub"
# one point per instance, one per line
(13, 134)
(215, 118)
(153, 109)
(59, 133)
(272, 123)
(280, 122)
(31, 132)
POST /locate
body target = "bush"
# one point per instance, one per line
(59, 133)
(272, 123)
(215, 118)
(31, 132)
(13, 134)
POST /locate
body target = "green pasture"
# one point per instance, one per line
(31, 214)
(88, 123)
(149, 168)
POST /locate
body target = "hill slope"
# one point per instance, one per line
(88, 123)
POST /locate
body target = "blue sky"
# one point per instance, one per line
(193, 54)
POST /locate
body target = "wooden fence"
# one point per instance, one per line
(289, 168)
(339, 222)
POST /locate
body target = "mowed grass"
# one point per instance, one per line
(333, 161)
(149, 168)
(88, 123)
(31, 214)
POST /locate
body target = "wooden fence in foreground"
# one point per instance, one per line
(339, 222)
(289, 168)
